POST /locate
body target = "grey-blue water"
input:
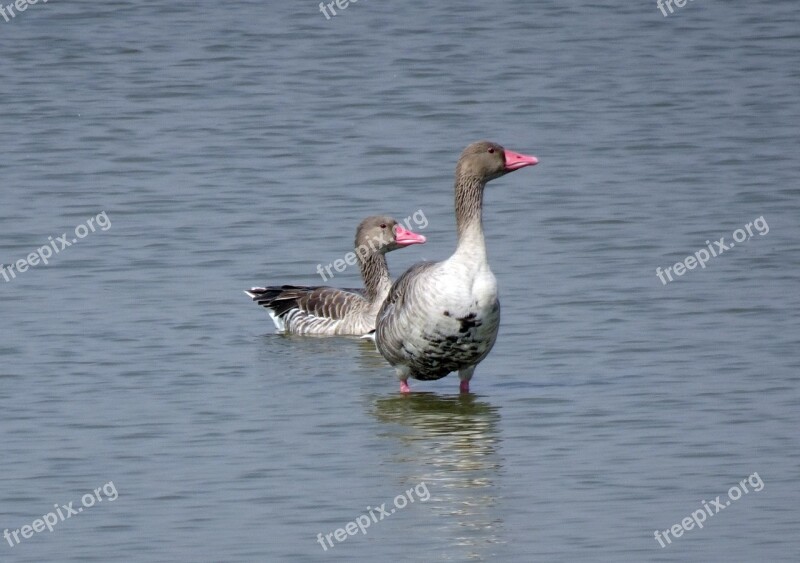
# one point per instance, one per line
(239, 143)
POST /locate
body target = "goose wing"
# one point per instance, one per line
(309, 309)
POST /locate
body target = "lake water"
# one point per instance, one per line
(239, 143)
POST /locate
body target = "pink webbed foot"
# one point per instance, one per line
(404, 388)
(464, 386)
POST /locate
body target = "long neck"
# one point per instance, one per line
(469, 211)
(375, 273)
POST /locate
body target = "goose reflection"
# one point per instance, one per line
(450, 443)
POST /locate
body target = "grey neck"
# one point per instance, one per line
(469, 217)
(376, 276)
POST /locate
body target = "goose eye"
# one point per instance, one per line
(383, 226)
(491, 150)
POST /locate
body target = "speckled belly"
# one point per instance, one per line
(452, 342)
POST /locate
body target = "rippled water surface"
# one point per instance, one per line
(239, 143)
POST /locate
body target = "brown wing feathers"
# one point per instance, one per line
(326, 302)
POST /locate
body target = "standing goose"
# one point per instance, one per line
(441, 317)
(332, 311)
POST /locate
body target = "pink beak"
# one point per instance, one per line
(404, 237)
(515, 160)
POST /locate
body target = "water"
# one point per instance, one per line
(239, 143)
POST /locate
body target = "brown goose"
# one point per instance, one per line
(442, 317)
(333, 311)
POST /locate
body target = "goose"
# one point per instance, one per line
(441, 317)
(332, 311)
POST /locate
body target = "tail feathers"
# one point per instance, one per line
(278, 299)
(263, 295)
(309, 310)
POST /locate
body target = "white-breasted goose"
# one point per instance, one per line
(441, 317)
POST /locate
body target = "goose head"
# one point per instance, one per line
(380, 234)
(486, 161)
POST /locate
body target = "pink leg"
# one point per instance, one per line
(404, 388)
(465, 375)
